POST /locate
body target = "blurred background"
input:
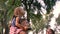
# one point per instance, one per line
(39, 13)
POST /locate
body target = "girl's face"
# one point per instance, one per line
(20, 14)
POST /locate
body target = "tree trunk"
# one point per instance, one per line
(5, 23)
(28, 18)
(6, 30)
(2, 26)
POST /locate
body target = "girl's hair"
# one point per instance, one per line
(18, 11)
(13, 16)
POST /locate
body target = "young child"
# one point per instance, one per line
(16, 27)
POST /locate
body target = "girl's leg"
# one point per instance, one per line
(22, 32)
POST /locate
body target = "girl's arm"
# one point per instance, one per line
(25, 24)
(18, 24)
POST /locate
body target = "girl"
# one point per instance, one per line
(16, 27)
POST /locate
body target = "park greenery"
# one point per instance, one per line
(7, 7)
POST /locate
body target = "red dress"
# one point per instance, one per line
(13, 28)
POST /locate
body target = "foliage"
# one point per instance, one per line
(37, 19)
(49, 4)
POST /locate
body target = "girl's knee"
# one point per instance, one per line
(22, 32)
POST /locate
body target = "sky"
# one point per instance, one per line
(56, 13)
